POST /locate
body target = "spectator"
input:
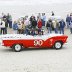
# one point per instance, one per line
(31, 18)
(52, 13)
(2, 26)
(15, 27)
(43, 19)
(26, 21)
(19, 27)
(55, 25)
(39, 23)
(23, 27)
(39, 26)
(49, 26)
(34, 23)
(62, 25)
(39, 16)
(27, 31)
(32, 32)
(3, 16)
(9, 20)
(68, 18)
(71, 27)
(70, 14)
(6, 24)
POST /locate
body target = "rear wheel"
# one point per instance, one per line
(17, 47)
(58, 45)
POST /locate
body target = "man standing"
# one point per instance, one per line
(68, 18)
(9, 20)
(62, 25)
(71, 26)
(52, 13)
(49, 26)
(43, 19)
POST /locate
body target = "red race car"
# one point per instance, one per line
(19, 41)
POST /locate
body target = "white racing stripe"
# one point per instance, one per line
(26, 37)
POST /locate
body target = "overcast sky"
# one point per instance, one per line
(31, 2)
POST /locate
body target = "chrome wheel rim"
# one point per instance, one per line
(17, 47)
(58, 45)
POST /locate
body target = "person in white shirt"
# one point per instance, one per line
(55, 24)
(2, 26)
(26, 22)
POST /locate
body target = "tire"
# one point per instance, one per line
(17, 47)
(58, 45)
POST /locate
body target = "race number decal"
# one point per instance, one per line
(38, 42)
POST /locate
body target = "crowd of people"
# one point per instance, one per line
(35, 25)
(5, 21)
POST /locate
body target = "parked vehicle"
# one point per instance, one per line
(19, 41)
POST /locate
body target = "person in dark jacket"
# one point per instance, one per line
(52, 13)
(34, 23)
(71, 27)
(31, 19)
(68, 18)
(6, 25)
(49, 26)
(62, 25)
(9, 20)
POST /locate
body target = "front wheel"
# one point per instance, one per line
(17, 47)
(58, 45)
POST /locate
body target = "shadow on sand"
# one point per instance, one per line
(29, 49)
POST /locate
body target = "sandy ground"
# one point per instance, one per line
(37, 60)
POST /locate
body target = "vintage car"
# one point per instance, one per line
(19, 41)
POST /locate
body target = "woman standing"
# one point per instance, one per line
(39, 26)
